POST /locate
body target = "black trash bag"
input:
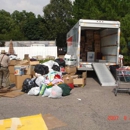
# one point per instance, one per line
(113, 70)
(28, 84)
(41, 69)
(60, 61)
(56, 68)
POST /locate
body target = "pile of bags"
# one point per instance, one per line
(48, 81)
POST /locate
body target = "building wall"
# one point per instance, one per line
(33, 51)
(30, 43)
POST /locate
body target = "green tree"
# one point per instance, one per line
(20, 21)
(118, 10)
(34, 29)
(56, 17)
(6, 24)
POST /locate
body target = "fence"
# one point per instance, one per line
(33, 51)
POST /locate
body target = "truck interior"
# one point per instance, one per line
(98, 49)
(99, 45)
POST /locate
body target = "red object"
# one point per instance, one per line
(57, 76)
(71, 85)
(69, 41)
(62, 69)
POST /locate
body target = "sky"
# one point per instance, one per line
(35, 6)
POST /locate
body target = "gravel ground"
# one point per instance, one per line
(92, 107)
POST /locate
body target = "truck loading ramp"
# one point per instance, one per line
(104, 75)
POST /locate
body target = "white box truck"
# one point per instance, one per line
(94, 41)
(94, 45)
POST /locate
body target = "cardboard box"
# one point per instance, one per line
(11, 69)
(67, 79)
(20, 79)
(81, 81)
(12, 78)
(84, 58)
(14, 62)
(19, 70)
(23, 62)
(74, 76)
(26, 62)
(83, 38)
(70, 69)
(34, 62)
(27, 69)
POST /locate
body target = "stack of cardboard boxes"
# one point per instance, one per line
(11, 70)
(82, 49)
(72, 77)
(90, 42)
(20, 70)
(97, 44)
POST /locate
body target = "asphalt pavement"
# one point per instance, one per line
(92, 107)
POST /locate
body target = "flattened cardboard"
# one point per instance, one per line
(52, 122)
(12, 94)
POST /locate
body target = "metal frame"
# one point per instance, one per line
(122, 74)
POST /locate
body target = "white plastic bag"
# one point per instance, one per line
(40, 80)
(50, 63)
(47, 92)
(34, 91)
(56, 92)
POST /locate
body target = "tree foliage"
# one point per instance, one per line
(56, 16)
(60, 16)
(116, 10)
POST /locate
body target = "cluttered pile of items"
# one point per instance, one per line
(51, 78)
